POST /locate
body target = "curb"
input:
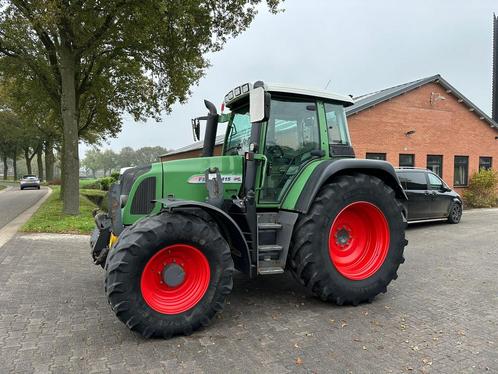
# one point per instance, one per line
(10, 229)
(7, 188)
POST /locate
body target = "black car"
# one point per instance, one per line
(429, 197)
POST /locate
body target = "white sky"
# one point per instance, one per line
(359, 45)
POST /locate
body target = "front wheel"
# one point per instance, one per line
(168, 274)
(348, 248)
(455, 213)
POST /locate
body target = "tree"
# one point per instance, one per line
(97, 59)
(108, 160)
(148, 155)
(92, 161)
(127, 157)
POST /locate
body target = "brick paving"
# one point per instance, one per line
(440, 316)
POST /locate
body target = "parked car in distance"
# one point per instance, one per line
(429, 197)
(29, 180)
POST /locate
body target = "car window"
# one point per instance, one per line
(435, 182)
(413, 180)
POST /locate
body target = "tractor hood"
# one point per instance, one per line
(185, 179)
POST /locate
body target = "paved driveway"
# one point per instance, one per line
(14, 201)
(440, 316)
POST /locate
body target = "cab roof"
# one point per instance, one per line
(243, 90)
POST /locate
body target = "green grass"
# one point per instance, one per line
(49, 218)
(2, 187)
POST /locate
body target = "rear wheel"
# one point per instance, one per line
(347, 249)
(168, 274)
(455, 213)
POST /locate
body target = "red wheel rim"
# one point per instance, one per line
(175, 279)
(359, 240)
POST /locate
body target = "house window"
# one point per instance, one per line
(375, 156)
(485, 163)
(435, 164)
(406, 160)
(461, 174)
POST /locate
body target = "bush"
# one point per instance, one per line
(482, 190)
(106, 182)
(115, 175)
(95, 185)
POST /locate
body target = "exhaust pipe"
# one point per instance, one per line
(211, 128)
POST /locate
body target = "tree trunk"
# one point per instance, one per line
(5, 167)
(14, 164)
(28, 160)
(39, 161)
(49, 161)
(70, 157)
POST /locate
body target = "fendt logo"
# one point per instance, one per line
(198, 179)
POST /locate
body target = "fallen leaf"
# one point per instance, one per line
(364, 348)
(296, 345)
(299, 361)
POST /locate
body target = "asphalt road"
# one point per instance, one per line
(439, 316)
(14, 201)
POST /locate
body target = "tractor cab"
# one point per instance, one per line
(302, 126)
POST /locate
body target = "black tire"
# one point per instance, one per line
(455, 213)
(38, 187)
(310, 261)
(21, 188)
(136, 246)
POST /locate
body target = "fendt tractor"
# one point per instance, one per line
(286, 194)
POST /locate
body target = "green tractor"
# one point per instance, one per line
(286, 194)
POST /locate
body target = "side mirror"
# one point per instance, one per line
(259, 105)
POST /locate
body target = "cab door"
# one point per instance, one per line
(292, 134)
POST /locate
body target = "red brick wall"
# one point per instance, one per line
(443, 127)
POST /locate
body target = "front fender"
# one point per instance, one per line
(228, 227)
(327, 169)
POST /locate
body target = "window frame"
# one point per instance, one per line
(441, 157)
(406, 154)
(383, 156)
(466, 158)
(490, 162)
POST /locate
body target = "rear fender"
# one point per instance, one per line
(329, 169)
(228, 228)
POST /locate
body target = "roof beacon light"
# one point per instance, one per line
(237, 91)
(245, 88)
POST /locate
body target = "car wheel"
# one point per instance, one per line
(455, 213)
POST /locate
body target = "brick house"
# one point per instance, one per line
(425, 123)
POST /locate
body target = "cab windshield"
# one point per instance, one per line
(239, 132)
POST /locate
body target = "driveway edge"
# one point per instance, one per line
(10, 229)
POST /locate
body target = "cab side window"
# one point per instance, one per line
(336, 124)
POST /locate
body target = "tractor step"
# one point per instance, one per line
(269, 248)
(269, 270)
(269, 226)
